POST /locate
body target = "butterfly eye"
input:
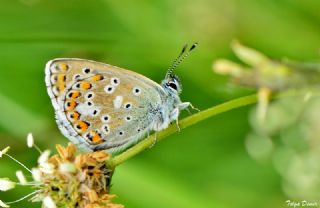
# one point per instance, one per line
(173, 85)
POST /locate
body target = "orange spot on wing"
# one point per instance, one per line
(61, 78)
(97, 77)
(82, 126)
(71, 105)
(85, 85)
(96, 138)
(61, 87)
(75, 94)
(75, 115)
(64, 66)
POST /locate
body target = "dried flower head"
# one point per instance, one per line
(66, 179)
(75, 181)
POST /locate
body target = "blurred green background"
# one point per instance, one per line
(205, 165)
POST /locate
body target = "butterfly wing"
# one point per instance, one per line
(99, 106)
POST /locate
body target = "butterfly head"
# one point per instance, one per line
(172, 82)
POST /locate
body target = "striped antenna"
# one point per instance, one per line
(183, 54)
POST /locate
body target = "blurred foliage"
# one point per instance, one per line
(261, 72)
(289, 136)
(203, 166)
(287, 130)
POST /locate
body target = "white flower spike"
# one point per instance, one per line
(67, 167)
(2, 204)
(6, 184)
(30, 140)
(47, 168)
(48, 202)
(22, 179)
(44, 157)
(4, 151)
(36, 174)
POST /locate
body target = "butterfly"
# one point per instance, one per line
(103, 107)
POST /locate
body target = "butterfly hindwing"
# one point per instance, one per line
(100, 106)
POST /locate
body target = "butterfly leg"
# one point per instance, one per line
(175, 116)
(186, 105)
(177, 122)
(154, 140)
(188, 111)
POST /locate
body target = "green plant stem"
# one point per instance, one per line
(193, 119)
(200, 116)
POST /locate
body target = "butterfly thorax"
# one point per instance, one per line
(166, 111)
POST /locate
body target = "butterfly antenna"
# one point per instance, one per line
(170, 69)
(183, 54)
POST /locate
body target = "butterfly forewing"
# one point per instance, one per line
(98, 105)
